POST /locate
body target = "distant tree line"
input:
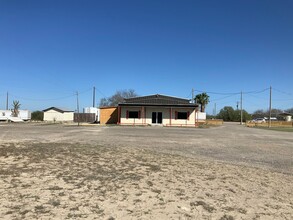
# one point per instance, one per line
(229, 114)
(260, 113)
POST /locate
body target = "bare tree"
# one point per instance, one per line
(118, 97)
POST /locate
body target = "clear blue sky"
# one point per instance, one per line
(51, 49)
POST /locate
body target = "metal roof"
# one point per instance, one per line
(157, 100)
(285, 114)
(62, 110)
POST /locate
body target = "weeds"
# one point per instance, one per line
(204, 205)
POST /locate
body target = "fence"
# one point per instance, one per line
(84, 117)
(214, 121)
(273, 124)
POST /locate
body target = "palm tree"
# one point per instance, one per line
(203, 100)
(16, 105)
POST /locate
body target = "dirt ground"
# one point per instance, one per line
(95, 172)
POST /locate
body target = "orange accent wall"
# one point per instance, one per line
(108, 115)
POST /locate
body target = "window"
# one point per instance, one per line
(133, 114)
(182, 115)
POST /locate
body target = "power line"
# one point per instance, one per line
(189, 94)
(51, 99)
(286, 93)
(235, 93)
(85, 91)
(100, 92)
(283, 99)
(222, 98)
(257, 97)
(256, 92)
(218, 93)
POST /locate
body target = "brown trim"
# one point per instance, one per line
(119, 114)
(196, 117)
(159, 105)
(180, 125)
(141, 123)
(103, 107)
(139, 114)
(170, 115)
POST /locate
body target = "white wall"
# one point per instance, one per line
(288, 118)
(146, 116)
(201, 116)
(52, 115)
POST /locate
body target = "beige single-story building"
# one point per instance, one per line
(159, 110)
(58, 114)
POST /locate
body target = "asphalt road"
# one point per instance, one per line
(230, 143)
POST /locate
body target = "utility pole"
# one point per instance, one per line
(77, 105)
(7, 101)
(270, 114)
(94, 96)
(192, 91)
(215, 109)
(241, 110)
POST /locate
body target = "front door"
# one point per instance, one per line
(157, 117)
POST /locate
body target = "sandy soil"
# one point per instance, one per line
(53, 173)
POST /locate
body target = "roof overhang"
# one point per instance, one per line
(57, 110)
(285, 114)
(159, 105)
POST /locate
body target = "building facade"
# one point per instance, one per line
(159, 110)
(57, 114)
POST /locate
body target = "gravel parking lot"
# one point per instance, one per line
(97, 172)
(230, 143)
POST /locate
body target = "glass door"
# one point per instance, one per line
(157, 117)
(154, 117)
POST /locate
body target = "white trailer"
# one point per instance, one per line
(23, 115)
(5, 114)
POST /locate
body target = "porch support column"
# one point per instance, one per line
(196, 117)
(170, 116)
(119, 115)
(142, 115)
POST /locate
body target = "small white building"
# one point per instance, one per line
(94, 110)
(286, 116)
(58, 114)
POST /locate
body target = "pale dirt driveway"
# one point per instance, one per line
(94, 172)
